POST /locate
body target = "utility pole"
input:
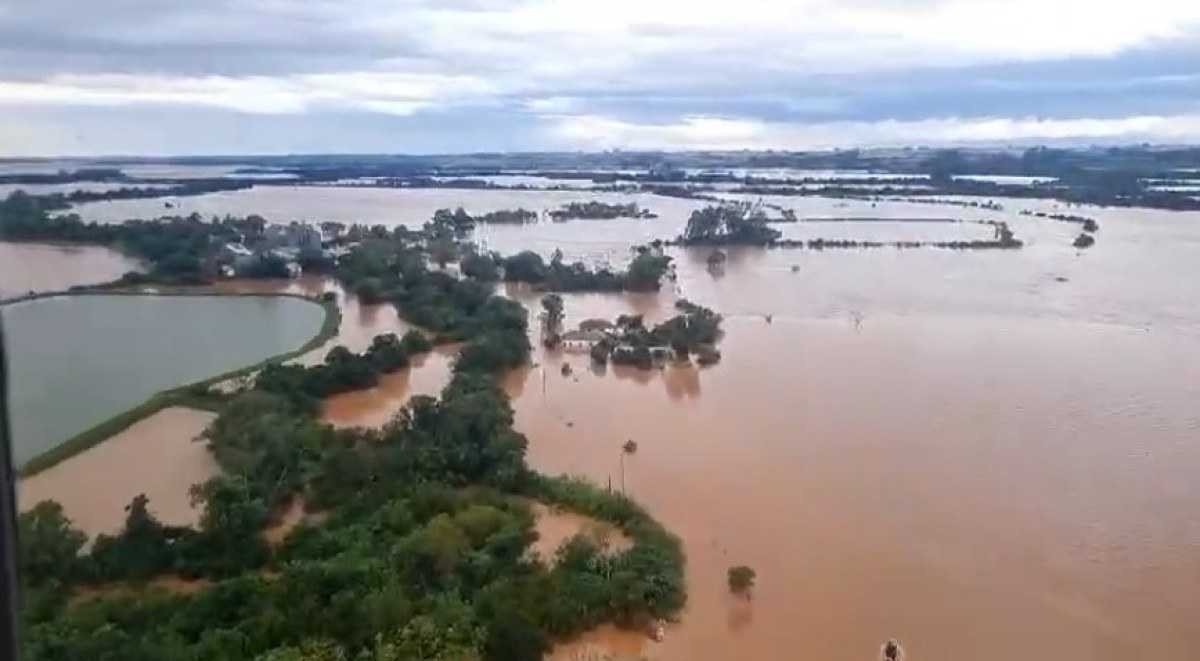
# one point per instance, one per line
(622, 472)
(628, 448)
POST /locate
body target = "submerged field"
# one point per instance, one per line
(987, 451)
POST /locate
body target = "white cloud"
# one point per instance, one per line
(552, 105)
(715, 133)
(389, 93)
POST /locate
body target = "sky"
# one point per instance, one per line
(194, 77)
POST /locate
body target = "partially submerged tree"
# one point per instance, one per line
(741, 579)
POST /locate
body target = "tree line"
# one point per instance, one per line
(177, 249)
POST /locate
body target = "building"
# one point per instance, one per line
(239, 256)
(581, 340)
(302, 237)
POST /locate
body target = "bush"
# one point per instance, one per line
(369, 290)
(415, 342)
(741, 579)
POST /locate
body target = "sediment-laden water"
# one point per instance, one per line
(983, 454)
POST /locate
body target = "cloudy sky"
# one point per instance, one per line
(421, 76)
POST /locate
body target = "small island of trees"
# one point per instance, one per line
(628, 341)
(741, 224)
(644, 273)
(599, 211)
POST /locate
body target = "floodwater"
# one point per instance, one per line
(375, 406)
(40, 267)
(987, 455)
(992, 485)
(158, 456)
(410, 207)
(75, 361)
(955, 449)
(556, 526)
(361, 322)
(991, 452)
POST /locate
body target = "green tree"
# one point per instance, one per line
(481, 267)
(233, 517)
(309, 650)
(49, 546)
(552, 304)
(526, 266)
(512, 637)
(741, 579)
(140, 551)
(414, 342)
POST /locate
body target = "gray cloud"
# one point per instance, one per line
(512, 74)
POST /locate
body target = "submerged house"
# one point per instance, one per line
(238, 256)
(581, 340)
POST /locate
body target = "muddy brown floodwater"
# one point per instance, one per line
(361, 322)
(986, 455)
(40, 267)
(555, 526)
(976, 482)
(993, 486)
(157, 456)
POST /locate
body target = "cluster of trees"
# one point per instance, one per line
(644, 273)
(390, 266)
(393, 270)
(423, 554)
(728, 224)
(135, 192)
(177, 249)
(343, 370)
(694, 331)
(508, 217)
(458, 222)
(1089, 224)
(593, 210)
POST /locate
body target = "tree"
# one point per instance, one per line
(553, 305)
(309, 650)
(443, 251)
(646, 271)
(369, 290)
(512, 637)
(482, 267)
(387, 353)
(49, 546)
(729, 224)
(231, 510)
(415, 342)
(525, 266)
(140, 551)
(741, 579)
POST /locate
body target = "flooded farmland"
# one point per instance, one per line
(978, 453)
